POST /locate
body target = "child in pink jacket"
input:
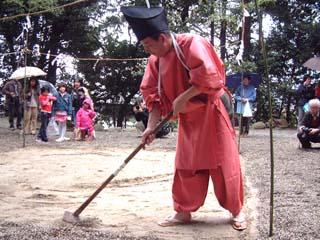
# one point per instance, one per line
(85, 123)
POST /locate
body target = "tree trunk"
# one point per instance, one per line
(223, 30)
(9, 36)
(52, 69)
(212, 22)
(121, 115)
(247, 34)
(53, 46)
(246, 37)
(288, 117)
(114, 116)
(185, 14)
(123, 110)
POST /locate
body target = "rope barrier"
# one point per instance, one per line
(101, 59)
(28, 51)
(42, 11)
(6, 54)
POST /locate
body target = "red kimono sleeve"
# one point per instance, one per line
(206, 68)
(149, 84)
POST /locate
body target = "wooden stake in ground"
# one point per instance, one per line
(266, 72)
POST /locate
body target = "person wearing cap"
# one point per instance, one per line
(185, 75)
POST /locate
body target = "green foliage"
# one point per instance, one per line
(65, 31)
(96, 29)
(22, 6)
(113, 84)
(292, 41)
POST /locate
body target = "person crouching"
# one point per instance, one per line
(309, 131)
(85, 123)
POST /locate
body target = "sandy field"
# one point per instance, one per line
(41, 181)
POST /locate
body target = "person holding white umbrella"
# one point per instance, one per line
(31, 97)
(13, 91)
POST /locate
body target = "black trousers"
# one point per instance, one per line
(15, 110)
(306, 139)
(44, 124)
(244, 128)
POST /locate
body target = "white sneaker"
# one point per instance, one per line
(59, 140)
(66, 139)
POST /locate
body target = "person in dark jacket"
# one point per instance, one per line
(305, 93)
(141, 115)
(77, 92)
(13, 92)
(317, 90)
(309, 130)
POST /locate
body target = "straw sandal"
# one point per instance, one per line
(239, 222)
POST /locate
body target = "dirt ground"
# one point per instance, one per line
(39, 182)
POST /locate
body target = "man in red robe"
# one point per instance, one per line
(185, 75)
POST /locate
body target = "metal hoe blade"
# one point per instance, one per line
(69, 217)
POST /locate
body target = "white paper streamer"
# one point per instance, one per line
(148, 4)
(57, 59)
(36, 50)
(96, 63)
(28, 22)
(239, 57)
(240, 53)
(26, 27)
(246, 13)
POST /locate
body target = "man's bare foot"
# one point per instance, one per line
(177, 219)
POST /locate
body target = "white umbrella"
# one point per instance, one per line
(313, 63)
(23, 72)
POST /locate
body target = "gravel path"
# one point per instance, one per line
(13, 231)
(297, 184)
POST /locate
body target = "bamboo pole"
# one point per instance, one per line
(242, 93)
(24, 90)
(266, 72)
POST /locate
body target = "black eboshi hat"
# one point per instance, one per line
(146, 22)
